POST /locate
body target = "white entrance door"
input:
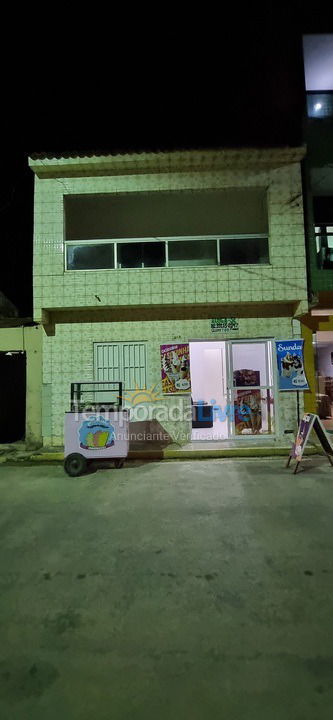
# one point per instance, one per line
(209, 390)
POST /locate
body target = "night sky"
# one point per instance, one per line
(179, 86)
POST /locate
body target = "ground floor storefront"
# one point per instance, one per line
(226, 387)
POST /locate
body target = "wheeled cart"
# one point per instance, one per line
(96, 427)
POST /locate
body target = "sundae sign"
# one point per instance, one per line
(289, 354)
(175, 365)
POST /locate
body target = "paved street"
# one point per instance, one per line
(181, 590)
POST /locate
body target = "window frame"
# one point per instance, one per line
(166, 240)
(84, 244)
(321, 231)
(271, 373)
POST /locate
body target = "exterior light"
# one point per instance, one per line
(318, 106)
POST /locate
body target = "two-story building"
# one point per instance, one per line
(173, 272)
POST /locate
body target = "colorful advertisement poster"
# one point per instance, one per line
(289, 354)
(248, 418)
(308, 422)
(175, 365)
(303, 433)
(96, 433)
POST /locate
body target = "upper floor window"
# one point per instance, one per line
(167, 252)
(89, 256)
(324, 246)
(166, 229)
(323, 218)
(319, 104)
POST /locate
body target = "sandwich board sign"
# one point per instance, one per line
(309, 422)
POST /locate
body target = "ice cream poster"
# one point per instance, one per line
(303, 433)
(175, 365)
(289, 354)
(96, 433)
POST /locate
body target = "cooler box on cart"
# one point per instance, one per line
(96, 427)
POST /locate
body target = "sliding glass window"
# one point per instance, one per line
(90, 256)
(140, 254)
(166, 252)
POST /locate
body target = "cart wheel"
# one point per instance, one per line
(119, 463)
(75, 464)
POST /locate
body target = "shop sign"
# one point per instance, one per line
(289, 355)
(175, 368)
(224, 324)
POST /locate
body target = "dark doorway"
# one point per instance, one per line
(12, 396)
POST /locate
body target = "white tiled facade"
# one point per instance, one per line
(68, 355)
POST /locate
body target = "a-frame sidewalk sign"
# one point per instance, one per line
(309, 422)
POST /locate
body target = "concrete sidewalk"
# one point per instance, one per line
(17, 452)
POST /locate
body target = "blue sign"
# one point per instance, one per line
(289, 354)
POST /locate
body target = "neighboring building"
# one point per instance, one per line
(134, 252)
(20, 379)
(7, 308)
(317, 325)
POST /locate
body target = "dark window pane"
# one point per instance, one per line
(136, 255)
(129, 255)
(90, 257)
(324, 246)
(320, 105)
(154, 254)
(243, 251)
(192, 252)
(323, 210)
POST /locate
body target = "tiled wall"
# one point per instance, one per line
(68, 357)
(284, 279)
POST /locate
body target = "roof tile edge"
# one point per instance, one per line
(46, 166)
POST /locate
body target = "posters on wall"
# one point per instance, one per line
(175, 367)
(289, 354)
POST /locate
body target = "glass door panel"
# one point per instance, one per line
(254, 411)
(250, 393)
(250, 364)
